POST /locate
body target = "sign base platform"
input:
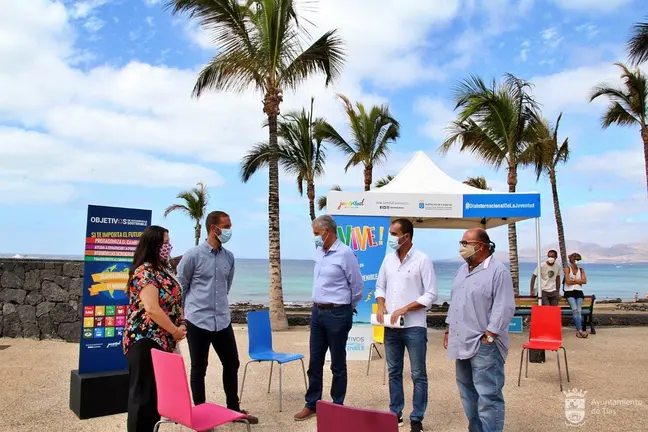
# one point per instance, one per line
(98, 394)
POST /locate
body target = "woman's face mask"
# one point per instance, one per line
(165, 251)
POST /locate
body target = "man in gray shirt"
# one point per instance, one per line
(206, 273)
(482, 303)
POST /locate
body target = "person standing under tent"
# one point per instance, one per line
(482, 303)
(406, 287)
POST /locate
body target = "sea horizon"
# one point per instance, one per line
(251, 281)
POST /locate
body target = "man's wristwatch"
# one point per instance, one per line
(490, 338)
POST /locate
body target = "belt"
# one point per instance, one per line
(329, 305)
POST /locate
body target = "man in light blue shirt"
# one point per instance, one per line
(337, 290)
(206, 273)
(482, 304)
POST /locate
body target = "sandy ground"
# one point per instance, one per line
(610, 365)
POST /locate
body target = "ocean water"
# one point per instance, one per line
(604, 280)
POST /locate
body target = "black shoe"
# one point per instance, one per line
(417, 426)
(401, 423)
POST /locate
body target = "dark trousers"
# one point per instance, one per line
(329, 330)
(550, 298)
(224, 344)
(142, 394)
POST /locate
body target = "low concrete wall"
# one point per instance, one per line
(40, 299)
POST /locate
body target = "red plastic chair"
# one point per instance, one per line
(174, 401)
(545, 334)
(331, 416)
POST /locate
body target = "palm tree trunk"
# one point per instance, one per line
(644, 137)
(310, 192)
(278, 319)
(197, 231)
(512, 236)
(368, 176)
(559, 222)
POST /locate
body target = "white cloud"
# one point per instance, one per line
(152, 2)
(93, 24)
(150, 21)
(83, 9)
(626, 164)
(591, 5)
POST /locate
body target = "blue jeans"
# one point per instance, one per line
(415, 340)
(329, 330)
(576, 305)
(480, 380)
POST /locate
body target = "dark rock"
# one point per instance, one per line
(8, 309)
(76, 288)
(75, 304)
(64, 313)
(63, 282)
(27, 313)
(14, 296)
(53, 292)
(48, 274)
(47, 327)
(31, 330)
(11, 326)
(33, 298)
(11, 280)
(69, 332)
(32, 280)
(73, 269)
(44, 308)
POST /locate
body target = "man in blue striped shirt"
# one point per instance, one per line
(206, 273)
(337, 290)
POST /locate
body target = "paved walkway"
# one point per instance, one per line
(611, 366)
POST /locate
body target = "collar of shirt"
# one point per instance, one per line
(333, 247)
(207, 247)
(482, 266)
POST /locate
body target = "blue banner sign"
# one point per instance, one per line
(112, 235)
(367, 236)
(501, 206)
(515, 326)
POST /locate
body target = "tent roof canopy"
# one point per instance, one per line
(430, 198)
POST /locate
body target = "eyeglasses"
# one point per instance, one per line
(465, 243)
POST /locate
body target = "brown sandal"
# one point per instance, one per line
(581, 334)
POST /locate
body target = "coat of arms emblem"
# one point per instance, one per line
(575, 406)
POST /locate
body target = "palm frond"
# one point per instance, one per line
(637, 45)
(384, 181)
(477, 182)
(256, 158)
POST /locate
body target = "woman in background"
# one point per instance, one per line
(575, 278)
(154, 322)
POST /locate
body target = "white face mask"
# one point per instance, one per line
(467, 251)
(551, 260)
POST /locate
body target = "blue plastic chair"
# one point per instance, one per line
(260, 349)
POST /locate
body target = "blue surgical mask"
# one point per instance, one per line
(225, 235)
(318, 241)
(392, 241)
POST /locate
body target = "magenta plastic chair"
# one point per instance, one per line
(174, 401)
(330, 417)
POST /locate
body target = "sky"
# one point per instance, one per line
(96, 108)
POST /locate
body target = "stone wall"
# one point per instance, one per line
(40, 299)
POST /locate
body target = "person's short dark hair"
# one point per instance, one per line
(483, 237)
(406, 226)
(552, 251)
(214, 218)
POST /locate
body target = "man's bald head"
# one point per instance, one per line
(477, 235)
(480, 240)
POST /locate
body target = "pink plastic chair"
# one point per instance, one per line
(337, 418)
(174, 401)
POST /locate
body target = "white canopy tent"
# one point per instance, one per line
(430, 198)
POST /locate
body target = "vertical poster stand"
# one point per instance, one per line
(99, 387)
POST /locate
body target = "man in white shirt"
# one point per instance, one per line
(406, 287)
(549, 279)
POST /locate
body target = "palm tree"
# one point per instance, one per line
(638, 44)
(384, 181)
(321, 201)
(477, 182)
(194, 205)
(628, 105)
(371, 134)
(494, 124)
(260, 45)
(552, 153)
(300, 154)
